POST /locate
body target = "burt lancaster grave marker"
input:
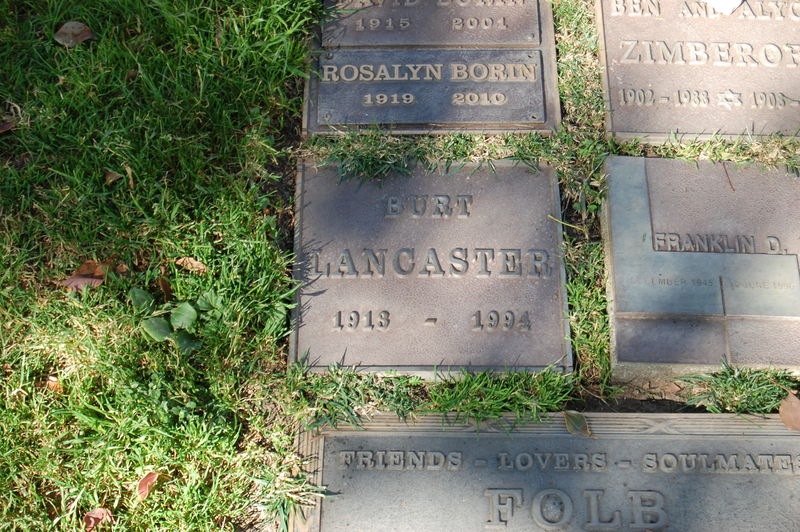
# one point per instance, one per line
(447, 271)
(703, 265)
(681, 67)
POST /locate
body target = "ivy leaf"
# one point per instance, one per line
(186, 342)
(157, 328)
(576, 423)
(183, 316)
(208, 301)
(142, 299)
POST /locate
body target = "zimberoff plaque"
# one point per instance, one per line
(682, 68)
(426, 272)
(703, 265)
(425, 90)
(461, 23)
(687, 473)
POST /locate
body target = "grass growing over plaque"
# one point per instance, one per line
(157, 157)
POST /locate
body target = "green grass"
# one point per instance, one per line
(344, 396)
(196, 105)
(740, 390)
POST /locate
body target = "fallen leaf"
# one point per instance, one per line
(576, 423)
(121, 269)
(90, 273)
(146, 484)
(6, 126)
(95, 518)
(165, 287)
(790, 412)
(54, 385)
(112, 177)
(192, 265)
(73, 33)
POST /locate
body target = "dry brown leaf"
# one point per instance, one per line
(146, 484)
(165, 287)
(73, 33)
(790, 412)
(90, 273)
(95, 518)
(54, 385)
(112, 177)
(6, 126)
(192, 265)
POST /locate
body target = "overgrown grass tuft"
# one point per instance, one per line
(346, 396)
(740, 390)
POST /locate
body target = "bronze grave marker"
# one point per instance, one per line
(428, 66)
(703, 266)
(450, 270)
(658, 472)
(479, 23)
(683, 69)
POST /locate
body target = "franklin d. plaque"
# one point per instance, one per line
(703, 265)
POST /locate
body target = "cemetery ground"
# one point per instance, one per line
(158, 160)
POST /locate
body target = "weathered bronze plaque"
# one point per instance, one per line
(682, 68)
(687, 473)
(703, 262)
(433, 23)
(418, 91)
(459, 269)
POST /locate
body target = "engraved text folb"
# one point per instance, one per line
(354, 23)
(688, 473)
(683, 68)
(703, 265)
(459, 269)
